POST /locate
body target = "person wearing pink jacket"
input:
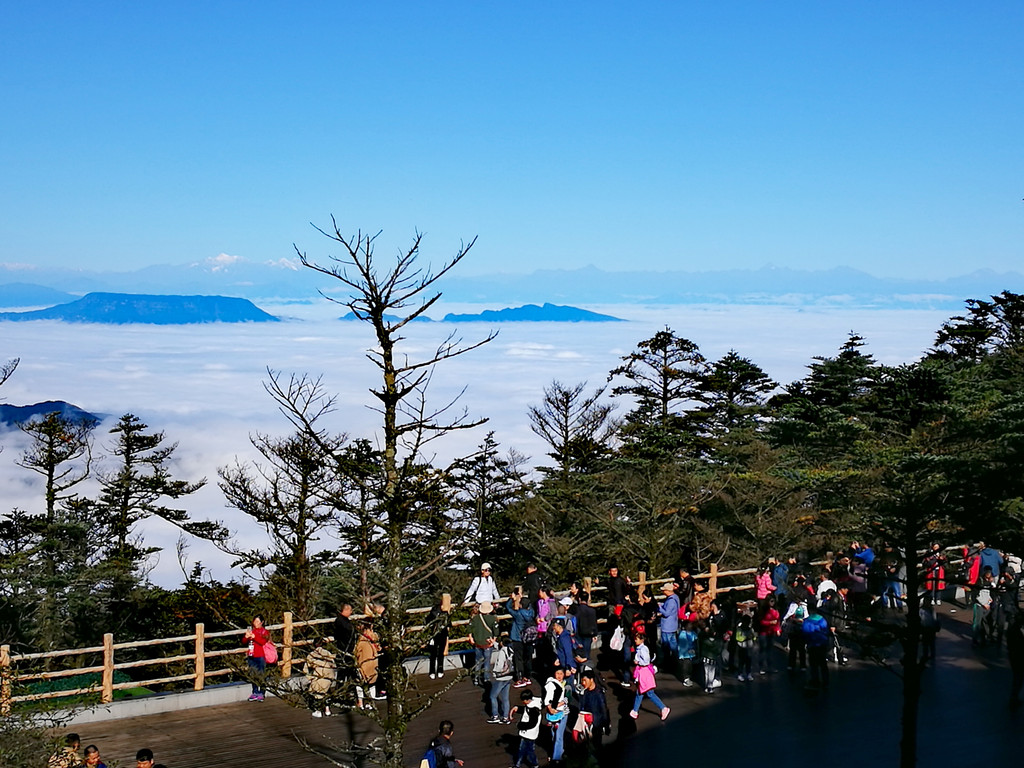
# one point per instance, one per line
(763, 581)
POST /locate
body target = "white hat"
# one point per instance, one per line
(486, 607)
(566, 600)
(485, 567)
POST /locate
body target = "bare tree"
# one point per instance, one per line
(411, 502)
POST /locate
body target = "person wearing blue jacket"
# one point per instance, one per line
(669, 625)
(564, 658)
(818, 637)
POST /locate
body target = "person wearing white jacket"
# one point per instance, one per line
(482, 589)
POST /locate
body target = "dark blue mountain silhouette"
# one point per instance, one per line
(120, 308)
(31, 295)
(12, 415)
(531, 313)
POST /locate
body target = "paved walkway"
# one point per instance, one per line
(964, 722)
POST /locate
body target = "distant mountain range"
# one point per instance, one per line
(287, 279)
(530, 313)
(119, 308)
(12, 415)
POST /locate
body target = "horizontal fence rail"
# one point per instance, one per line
(202, 661)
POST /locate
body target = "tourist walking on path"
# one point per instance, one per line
(257, 637)
(528, 725)
(444, 755)
(643, 674)
(556, 710)
(593, 711)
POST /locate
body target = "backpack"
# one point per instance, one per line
(530, 634)
(429, 759)
(503, 666)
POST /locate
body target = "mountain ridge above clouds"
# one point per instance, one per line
(287, 279)
(123, 308)
(13, 415)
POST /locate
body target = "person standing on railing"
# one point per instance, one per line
(531, 584)
(483, 588)
(257, 636)
(618, 588)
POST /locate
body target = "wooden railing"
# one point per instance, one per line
(202, 661)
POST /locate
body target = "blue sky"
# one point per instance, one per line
(681, 135)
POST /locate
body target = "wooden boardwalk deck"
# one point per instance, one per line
(964, 721)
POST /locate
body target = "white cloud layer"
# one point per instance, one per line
(202, 385)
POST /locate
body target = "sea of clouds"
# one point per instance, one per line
(203, 384)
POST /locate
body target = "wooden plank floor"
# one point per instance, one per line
(964, 720)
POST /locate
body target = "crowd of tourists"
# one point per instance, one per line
(534, 651)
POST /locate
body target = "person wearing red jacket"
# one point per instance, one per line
(257, 636)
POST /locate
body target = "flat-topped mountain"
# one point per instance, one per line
(121, 308)
(531, 313)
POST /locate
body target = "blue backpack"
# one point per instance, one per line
(429, 758)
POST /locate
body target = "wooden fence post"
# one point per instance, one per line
(107, 694)
(713, 581)
(5, 679)
(286, 646)
(200, 657)
(446, 606)
(588, 586)
(643, 582)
